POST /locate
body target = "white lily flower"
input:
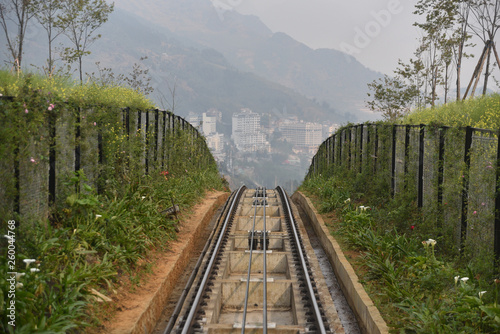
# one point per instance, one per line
(19, 285)
(481, 293)
(456, 279)
(34, 270)
(28, 262)
(98, 216)
(432, 242)
(143, 197)
(464, 279)
(19, 275)
(347, 200)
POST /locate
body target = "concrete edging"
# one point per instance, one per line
(370, 320)
(152, 313)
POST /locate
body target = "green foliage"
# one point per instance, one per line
(417, 289)
(392, 97)
(108, 215)
(482, 112)
(81, 18)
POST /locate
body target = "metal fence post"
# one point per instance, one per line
(421, 152)
(442, 133)
(465, 192)
(147, 143)
(393, 164)
(497, 203)
(52, 158)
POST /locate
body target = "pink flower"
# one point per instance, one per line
(95, 123)
(412, 227)
(26, 111)
(483, 204)
(51, 106)
(33, 160)
(474, 213)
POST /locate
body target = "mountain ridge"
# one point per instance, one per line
(251, 46)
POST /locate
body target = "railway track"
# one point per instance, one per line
(256, 274)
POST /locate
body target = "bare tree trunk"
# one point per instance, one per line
(487, 73)
(459, 71)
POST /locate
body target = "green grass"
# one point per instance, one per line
(418, 285)
(91, 239)
(482, 112)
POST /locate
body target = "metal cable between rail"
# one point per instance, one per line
(264, 238)
(243, 321)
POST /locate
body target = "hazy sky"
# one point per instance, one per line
(376, 32)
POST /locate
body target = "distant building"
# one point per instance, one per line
(216, 143)
(246, 132)
(209, 123)
(302, 134)
(194, 119)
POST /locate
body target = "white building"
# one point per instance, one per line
(209, 123)
(302, 134)
(215, 143)
(246, 132)
(194, 119)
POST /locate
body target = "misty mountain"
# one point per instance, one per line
(195, 77)
(325, 75)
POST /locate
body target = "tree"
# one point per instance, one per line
(486, 14)
(392, 97)
(83, 18)
(48, 14)
(438, 41)
(18, 12)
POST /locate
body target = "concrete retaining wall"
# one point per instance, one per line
(370, 320)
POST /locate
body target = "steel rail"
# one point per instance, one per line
(264, 241)
(190, 317)
(187, 287)
(304, 267)
(243, 321)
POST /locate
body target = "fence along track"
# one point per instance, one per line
(257, 277)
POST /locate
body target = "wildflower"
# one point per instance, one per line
(95, 123)
(412, 227)
(98, 216)
(474, 213)
(143, 197)
(34, 270)
(481, 293)
(483, 204)
(347, 201)
(26, 111)
(51, 106)
(432, 242)
(464, 279)
(33, 160)
(456, 279)
(19, 285)
(28, 262)
(19, 275)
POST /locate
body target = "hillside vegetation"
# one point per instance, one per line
(98, 234)
(482, 112)
(429, 269)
